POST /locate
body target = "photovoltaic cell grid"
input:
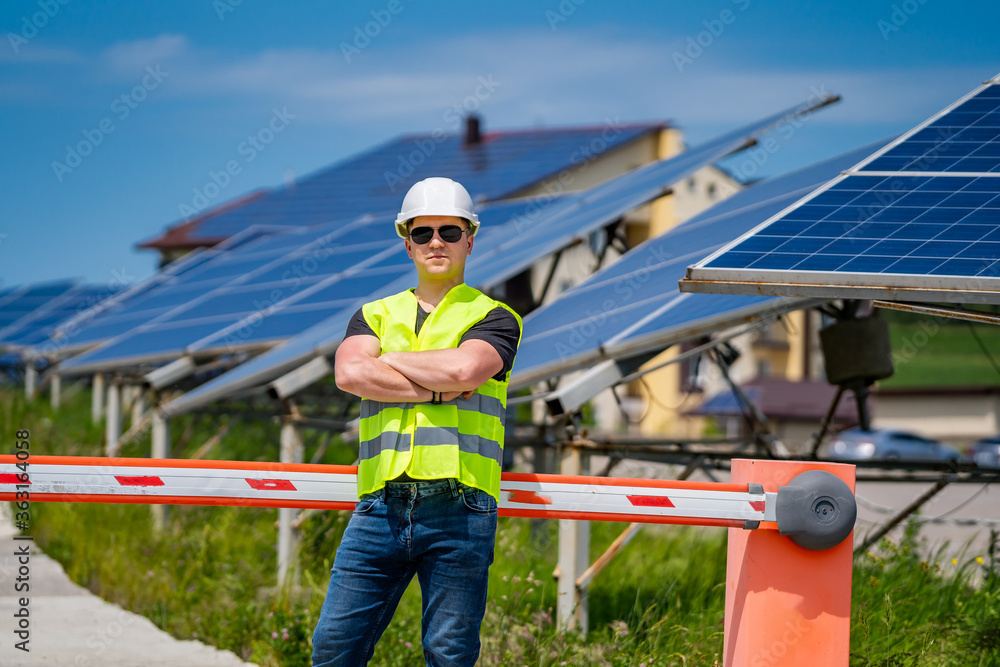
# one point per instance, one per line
(21, 302)
(36, 326)
(966, 139)
(503, 252)
(919, 220)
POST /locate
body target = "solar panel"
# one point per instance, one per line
(23, 301)
(918, 220)
(39, 324)
(521, 242)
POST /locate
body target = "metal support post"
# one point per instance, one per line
(138, 406)
(904, 513)
(574, 550)
(30, 381)
(97, 398)
(55, 391)
(160, 450)
(292, 451)
(113, 426)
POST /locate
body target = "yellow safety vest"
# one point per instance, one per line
(461, 439)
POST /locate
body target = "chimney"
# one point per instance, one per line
(473, 135)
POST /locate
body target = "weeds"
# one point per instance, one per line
(210, 576)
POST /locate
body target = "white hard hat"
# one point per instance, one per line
(436, 196)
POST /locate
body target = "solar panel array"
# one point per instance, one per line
(633, 306)
(502, 165)
(502, 252)
(919, 220)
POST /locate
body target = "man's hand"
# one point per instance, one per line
(452, 395)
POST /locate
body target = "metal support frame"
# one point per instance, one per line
(825, 424)
(292, 451)
(760, 428)
(97, 398)
(160, 450)
(138, 404)
(55, 391)
(552, 273)
(113, 426)
(30, 381)
(304, 376)
(903, 513)
(976, 316)
(574, 550)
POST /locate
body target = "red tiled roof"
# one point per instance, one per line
(177, 237)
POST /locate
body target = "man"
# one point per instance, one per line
(431, 365)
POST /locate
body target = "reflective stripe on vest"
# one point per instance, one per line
(462, 438)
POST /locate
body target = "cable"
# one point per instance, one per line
(982, 346)
(969, 500)
(652, 397)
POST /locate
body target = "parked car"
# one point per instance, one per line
(888, 445)
(985, 453)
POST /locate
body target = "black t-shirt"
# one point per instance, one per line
(499, 328)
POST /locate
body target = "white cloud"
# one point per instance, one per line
(542, 77)
(127, 57)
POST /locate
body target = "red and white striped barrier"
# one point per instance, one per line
(249, 484)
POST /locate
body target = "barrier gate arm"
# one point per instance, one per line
(816, 509)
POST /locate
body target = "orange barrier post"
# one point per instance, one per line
(786, 605)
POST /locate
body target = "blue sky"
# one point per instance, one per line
(166, 95)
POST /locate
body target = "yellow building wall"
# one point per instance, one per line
(661, 409)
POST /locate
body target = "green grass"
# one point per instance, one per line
(210, 576)
(932, 351)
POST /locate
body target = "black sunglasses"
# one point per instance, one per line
(448, 234)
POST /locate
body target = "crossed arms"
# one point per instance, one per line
(410, 377)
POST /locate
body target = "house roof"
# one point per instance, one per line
(501, 164)
(782, 399)
(179, 236)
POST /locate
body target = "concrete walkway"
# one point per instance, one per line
(71, 627)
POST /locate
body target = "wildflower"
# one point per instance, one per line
(954, 561)
(620, 628)
(408, 645)
(979, 559)
(270, 614)
(274, 635)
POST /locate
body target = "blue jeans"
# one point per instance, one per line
(440, 530)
